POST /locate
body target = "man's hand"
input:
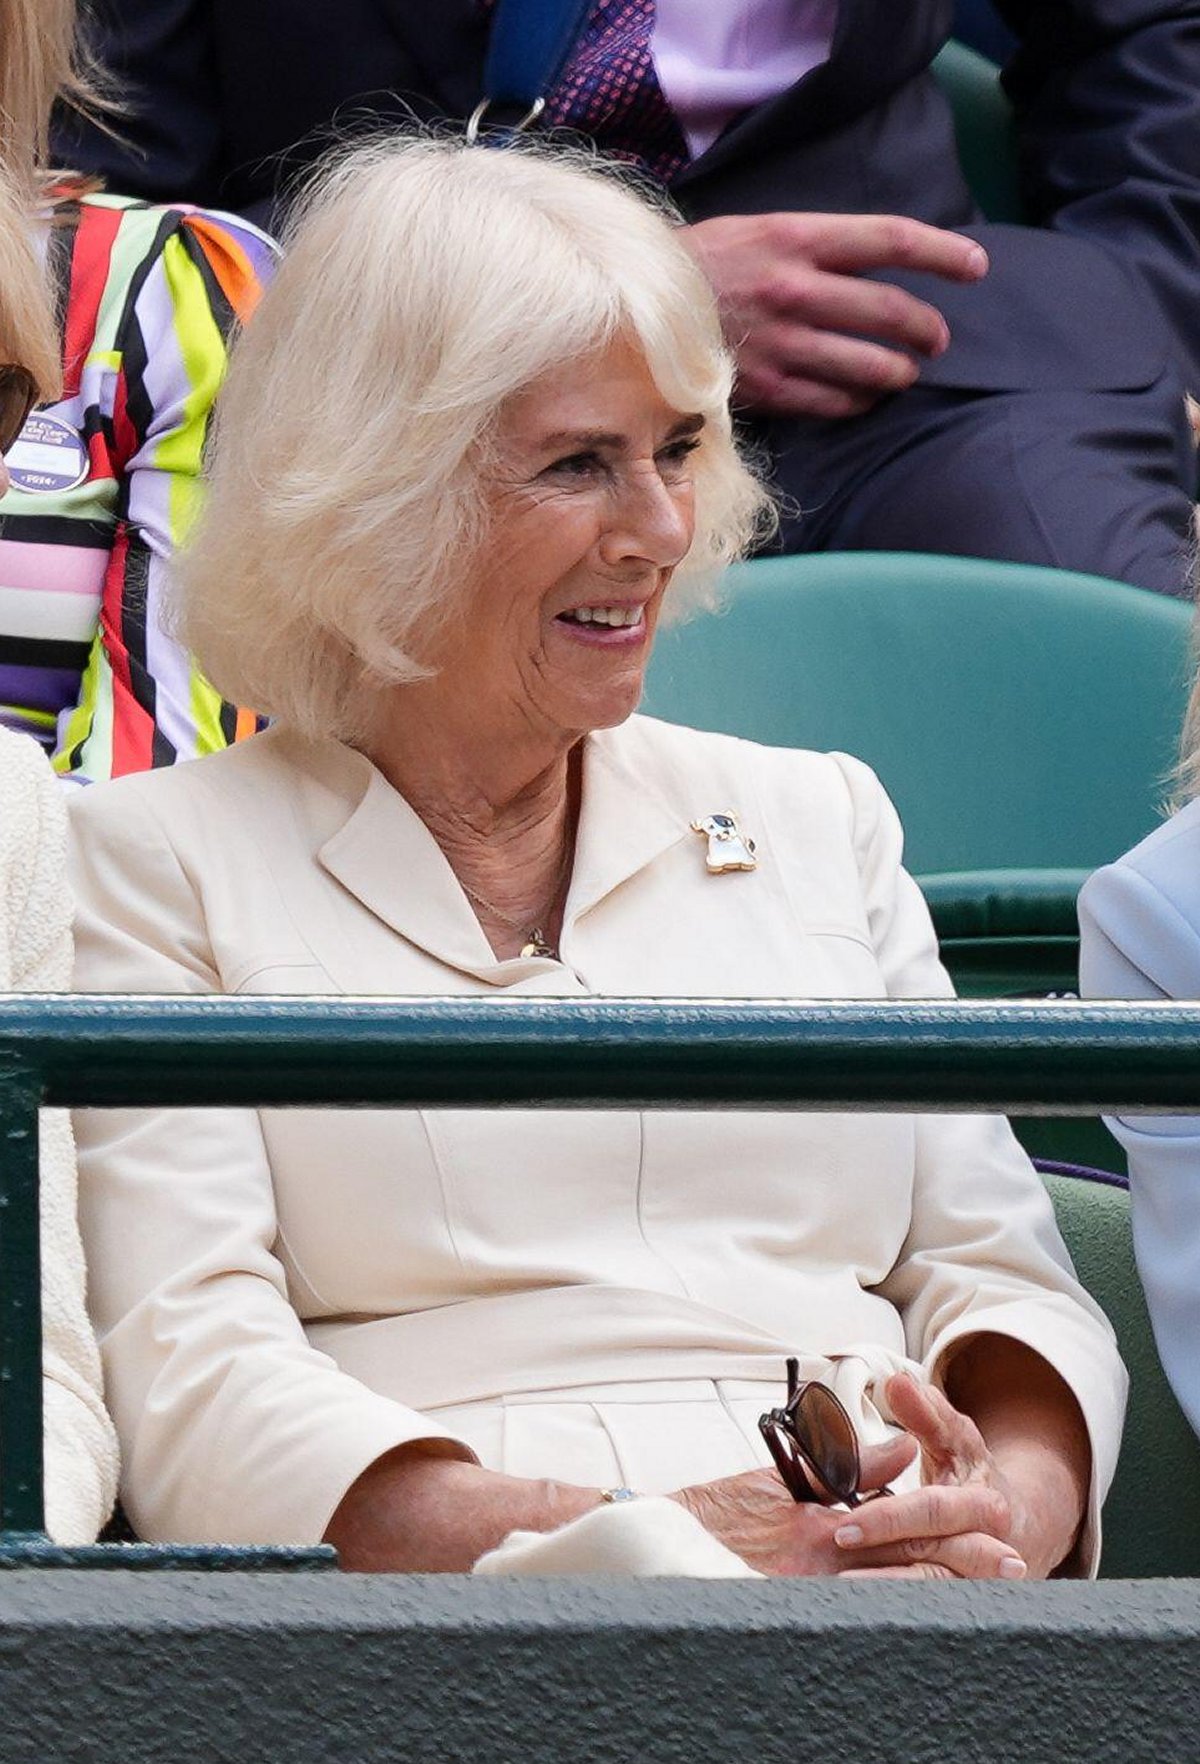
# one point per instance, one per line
(813, 336)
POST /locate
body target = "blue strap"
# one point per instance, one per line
(529, 46)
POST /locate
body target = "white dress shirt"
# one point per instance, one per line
(715, 58)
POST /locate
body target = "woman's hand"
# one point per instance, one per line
(754, 1515)
(1003, 1494)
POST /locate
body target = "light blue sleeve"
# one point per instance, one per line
(1141, 940)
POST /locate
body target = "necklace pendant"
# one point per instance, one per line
(728, 847)
(537, 945)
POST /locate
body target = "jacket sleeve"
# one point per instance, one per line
(143, 702)
(1138, 943)
(80, 1446)
(1109, 132)
(983, 1253)
(233, 1428)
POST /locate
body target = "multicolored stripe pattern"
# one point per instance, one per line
(149, 297)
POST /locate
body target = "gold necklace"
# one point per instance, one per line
(535, 942)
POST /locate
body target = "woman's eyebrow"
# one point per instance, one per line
(586, 438)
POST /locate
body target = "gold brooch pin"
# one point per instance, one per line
(728, 846)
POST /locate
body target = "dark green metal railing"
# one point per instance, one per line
(1059, 1058)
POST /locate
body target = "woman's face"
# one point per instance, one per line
(591, 505)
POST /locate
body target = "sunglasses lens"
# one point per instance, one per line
(827, 1438)
(17, 397)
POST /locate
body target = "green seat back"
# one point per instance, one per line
(1152, 1518)
(1021, 718)
(983, 126)
(1024, 721)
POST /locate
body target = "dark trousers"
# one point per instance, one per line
(1091, 481)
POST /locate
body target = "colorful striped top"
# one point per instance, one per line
(105, 482)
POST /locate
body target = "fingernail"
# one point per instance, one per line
(1012, 1568)
(848, 1536)
(977, 260)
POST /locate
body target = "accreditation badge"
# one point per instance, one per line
(47, 457)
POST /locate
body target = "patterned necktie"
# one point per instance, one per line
(609, 90)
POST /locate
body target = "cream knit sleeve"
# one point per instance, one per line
(80, 1445)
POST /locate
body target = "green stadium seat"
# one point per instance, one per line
(1152, 1518)
(983, 125)
(1023, 719)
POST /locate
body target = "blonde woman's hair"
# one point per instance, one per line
(424, 285)
(28, 334)
(40, 62)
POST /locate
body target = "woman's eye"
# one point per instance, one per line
(576, 465)
(677, 452)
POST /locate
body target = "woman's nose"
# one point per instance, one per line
(654, 520)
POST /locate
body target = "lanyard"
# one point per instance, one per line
(530, 43)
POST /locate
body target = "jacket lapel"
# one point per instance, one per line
(625, 823)
(384, 855)
(877, 46)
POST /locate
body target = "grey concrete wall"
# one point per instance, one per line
(119, 1668)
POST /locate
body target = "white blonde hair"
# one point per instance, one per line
(425, 284)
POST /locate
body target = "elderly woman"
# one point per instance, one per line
(1140, 925)
(440, 540)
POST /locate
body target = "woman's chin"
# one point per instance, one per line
(603, 686)
(603, 709)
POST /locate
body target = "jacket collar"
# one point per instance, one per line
(875, 49)
(385, 856)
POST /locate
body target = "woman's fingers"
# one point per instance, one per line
(951, 1444)
(957, 1560)
(974, 1555)
(937, 1511)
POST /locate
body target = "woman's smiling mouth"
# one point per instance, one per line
(610, 625)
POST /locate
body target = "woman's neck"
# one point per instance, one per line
(504, 821)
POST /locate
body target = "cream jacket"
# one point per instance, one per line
(284, 1295)
(35, 956)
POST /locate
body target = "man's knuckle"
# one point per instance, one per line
(899, 237)
(779, 289)
(829, 402)
(886, 372)
(773, 383)
(893, 307)
(781, 232)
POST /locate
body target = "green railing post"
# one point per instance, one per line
(22, 1514)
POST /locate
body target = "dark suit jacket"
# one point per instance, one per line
(231, 98)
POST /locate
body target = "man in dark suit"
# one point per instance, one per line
(908, 399)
